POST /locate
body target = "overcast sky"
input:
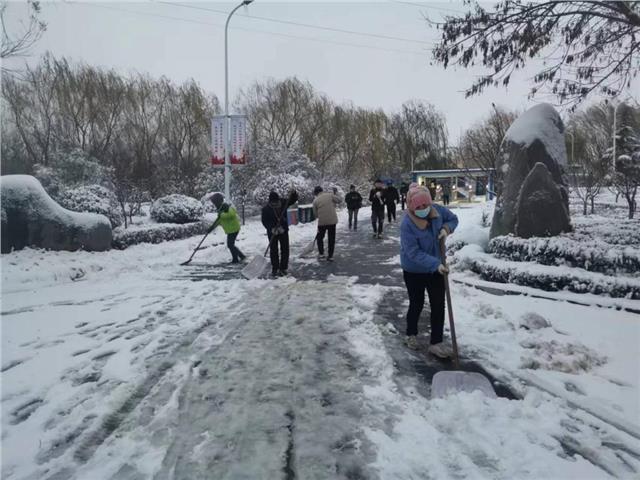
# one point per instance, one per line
(186, 40)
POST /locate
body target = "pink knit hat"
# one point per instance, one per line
(418, 196)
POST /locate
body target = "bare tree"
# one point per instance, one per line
(185, 133)
(321, 134)
(588, 139)
(589, 45)
(18, 44)
(417, 136)
(626, 177)
(480, 145)
(32, 109)
(277, 111)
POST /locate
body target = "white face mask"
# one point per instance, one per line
(423, 213)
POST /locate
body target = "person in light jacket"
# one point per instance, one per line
(324, 208)
(422, 229)
(230, 222)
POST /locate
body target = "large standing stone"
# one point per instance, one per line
(536, 137)
(32, 218)
(539, 206)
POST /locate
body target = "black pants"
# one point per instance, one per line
(434, 284)
(391, 211)
(445, 199)
(403, 200)
(332, 238)
(377, 220)
(279, 259)
(236, 254)
(353, 218)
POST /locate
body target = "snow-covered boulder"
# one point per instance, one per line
(176, 208)
(540, 206)
(34, 219)
(93, 198)
(536, 137)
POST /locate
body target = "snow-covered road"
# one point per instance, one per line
(117, 365)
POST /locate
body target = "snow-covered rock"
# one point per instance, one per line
(537, 136)
(93, 198)
(33, 218)
(176, 208)
(539, 206)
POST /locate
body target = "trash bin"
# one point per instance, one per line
(292, 216)
(305, 214)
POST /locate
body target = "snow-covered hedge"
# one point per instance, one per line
(176, 209)
(93, 198)
(551, 279)
(156, 233)
(595, 256)
(616, 231)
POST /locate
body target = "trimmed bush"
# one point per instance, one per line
(571, 280)
(176, 209)
(95, 199)
(157, 233)
(595, 256)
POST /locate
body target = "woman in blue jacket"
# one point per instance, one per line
(422, 229)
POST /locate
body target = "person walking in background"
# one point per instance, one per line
(391, 197)
(274, 219)
(230, 222)
(377, 208)
(354, 202)
(324, 208)
(422, 229)
(446, 193)
(404, 188)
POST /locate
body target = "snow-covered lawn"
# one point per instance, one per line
(116, 366)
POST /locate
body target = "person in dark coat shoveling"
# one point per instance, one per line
(274, 219)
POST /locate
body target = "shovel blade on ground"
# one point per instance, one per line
(450, 383)
(255, 268)
(308, 250)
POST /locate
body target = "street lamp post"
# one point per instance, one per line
(227, 119)
(615, 116)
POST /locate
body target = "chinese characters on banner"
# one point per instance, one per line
(217, 140)
(238, 153)
(238, 140)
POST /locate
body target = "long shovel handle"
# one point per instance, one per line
(273, 237)
(452, 327)
(197, 248)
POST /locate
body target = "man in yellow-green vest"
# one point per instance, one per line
(230, 222)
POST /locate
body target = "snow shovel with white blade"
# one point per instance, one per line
(308, 250)
(255, 268)
(446, 383)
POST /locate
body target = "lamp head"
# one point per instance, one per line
(247, 2)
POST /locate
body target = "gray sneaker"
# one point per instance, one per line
(411, 341)
(440, 350)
